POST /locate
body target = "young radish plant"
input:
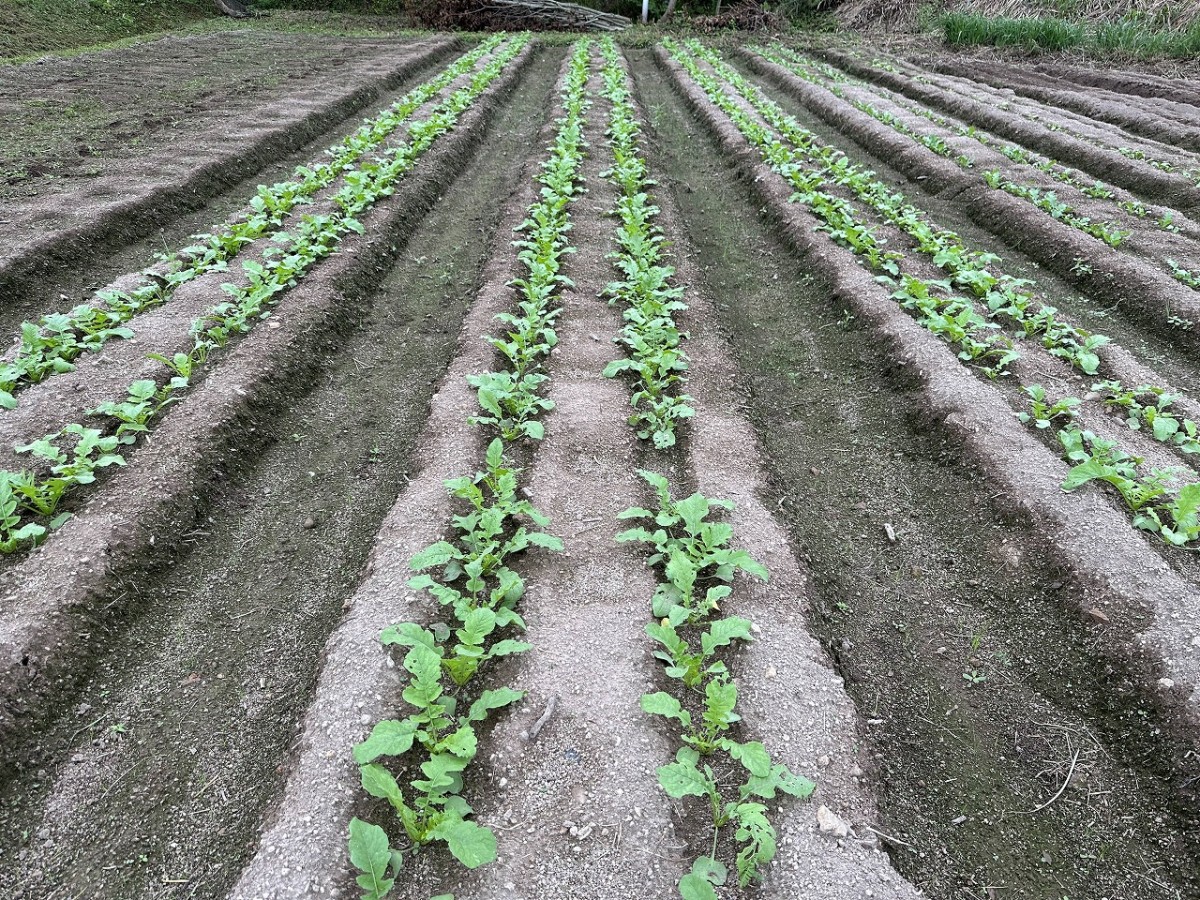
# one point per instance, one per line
(691, 550)
(49, 346)
(698, 565)
(471, 575)
(311, 240)
(808, 165)
(650, 336)
(1108, 232)
(1158, 499)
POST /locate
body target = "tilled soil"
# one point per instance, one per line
(60, 216)
(990, 681)
(908, 621)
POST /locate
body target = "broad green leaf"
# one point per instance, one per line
(693, 511)
(711, 870)
(683, 779)
(1085, 472)
(370, 854)
(406, 634)
(658, 482)
(479, 623)
(143, 390)
(493, 699)
(471, 844)
(508, 647)
(724, 631)
(461, 743)
(663, 704)
(748, 564)
(547, 541)
(699, 884)
(495, 454)
(681, 572)
(1189, 500)
(753, 755)
(1164, 427)
(424, 664)
(387, 738)
(434, 555)
(378, 782)
(696, 887)
(720, 699)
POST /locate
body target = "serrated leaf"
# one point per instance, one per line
(406, 634)
(724, 631)
(684, 779)
(546, 541)
(423, 663)
(663, 704)
(461, 743)
(379, 782)
(434, 555)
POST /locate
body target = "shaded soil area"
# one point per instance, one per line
(981, 693)
(187, 720)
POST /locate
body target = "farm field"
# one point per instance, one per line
(504, 468)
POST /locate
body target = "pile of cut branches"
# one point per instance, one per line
(514, 15)
(746, 16)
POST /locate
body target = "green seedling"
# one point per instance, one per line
(693, 552)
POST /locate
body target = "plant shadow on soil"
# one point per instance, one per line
(151, 780)
(979, 687)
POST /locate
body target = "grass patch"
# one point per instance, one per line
(34, 27)
(1124, 37)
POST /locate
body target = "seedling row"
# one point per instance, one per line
(416, 794)
(437, 742)
(68, 459)
(1133, 213)
(1169, 170)
(812, 168)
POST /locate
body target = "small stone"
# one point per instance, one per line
(310, 523)
(958, 820)
(1166, 683)
(831, 823)
(890, 532)
(1098, 615)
